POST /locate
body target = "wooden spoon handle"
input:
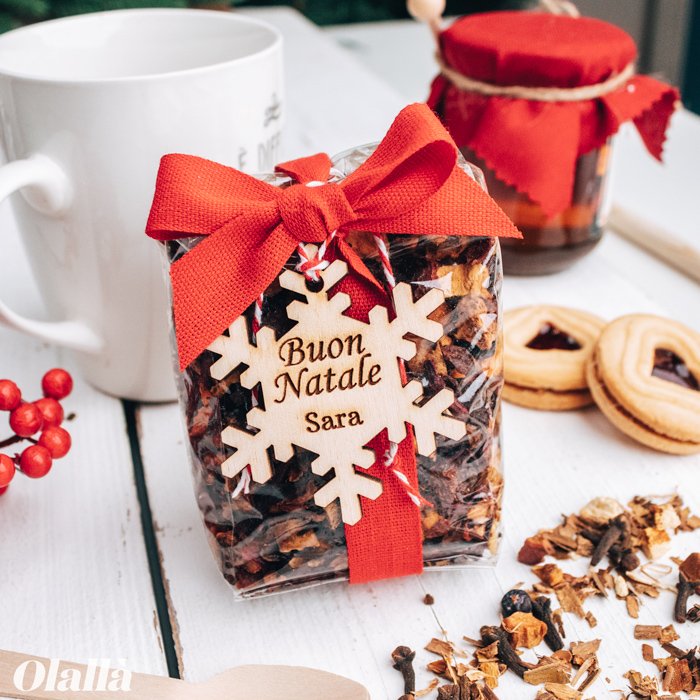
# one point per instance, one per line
(34, 678)
(657, 241)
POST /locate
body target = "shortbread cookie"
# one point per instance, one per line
(644, 375)
(546, 351)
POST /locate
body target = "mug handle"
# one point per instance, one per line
(48, 191)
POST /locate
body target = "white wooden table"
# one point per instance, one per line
(75, 580)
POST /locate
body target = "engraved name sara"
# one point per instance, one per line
(300, 380)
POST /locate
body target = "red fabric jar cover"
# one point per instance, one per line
(533, 145)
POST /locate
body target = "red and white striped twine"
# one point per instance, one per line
(390, 454)
(310, 267)
(386, 264)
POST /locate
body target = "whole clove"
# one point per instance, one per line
(618, 530)
(688, 580)
(542, 610)
(487, 693)
(448, 692)
(403, 662)
(693, 614)
(506, 653)
(629, 561)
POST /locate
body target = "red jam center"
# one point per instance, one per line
(669, 367)
(549, 337)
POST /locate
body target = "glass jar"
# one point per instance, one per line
(539, 97)
(553, 244)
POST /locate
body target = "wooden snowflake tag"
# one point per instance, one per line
(331, 384)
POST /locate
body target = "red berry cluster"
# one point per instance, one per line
(27, 419)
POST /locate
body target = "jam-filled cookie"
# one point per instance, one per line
(643, 374)
(546, 351)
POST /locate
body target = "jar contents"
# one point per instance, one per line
(552, 245)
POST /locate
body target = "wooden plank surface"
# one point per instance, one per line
(74, 577)
(554, 463)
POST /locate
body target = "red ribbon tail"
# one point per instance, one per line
(388, 540)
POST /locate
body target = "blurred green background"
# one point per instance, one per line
(14, 13)
(667, 32)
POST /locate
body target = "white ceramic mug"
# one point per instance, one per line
(88, 105)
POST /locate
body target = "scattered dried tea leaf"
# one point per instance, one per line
(678, 677)
(582, 651)
(438, 667)
(601, 510)
(563, 656)
(561, 691)
(647, 631)
(491, 673)
(428, 600)
(632, 606)
(651, 591)
(655, 543)
(668, 635)
(557, 620)
(487, 653)
(563, 538)
(569, 600)
(534, 550)
(451, 672)
(673, 650)
(642, 686)
(583, 668)
(597, 581)
(547, 673)
(439, 647)
(665, 517)
(662, 664)
(549, 574)
(692, 522)
(431, 686)
(584, 547)
(525, 629)
(621, 588)
(591, 677)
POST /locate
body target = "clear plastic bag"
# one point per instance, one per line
(274, 537)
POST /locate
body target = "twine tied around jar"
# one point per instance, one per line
(536, 94)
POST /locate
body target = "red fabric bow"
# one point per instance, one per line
(411, 184)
